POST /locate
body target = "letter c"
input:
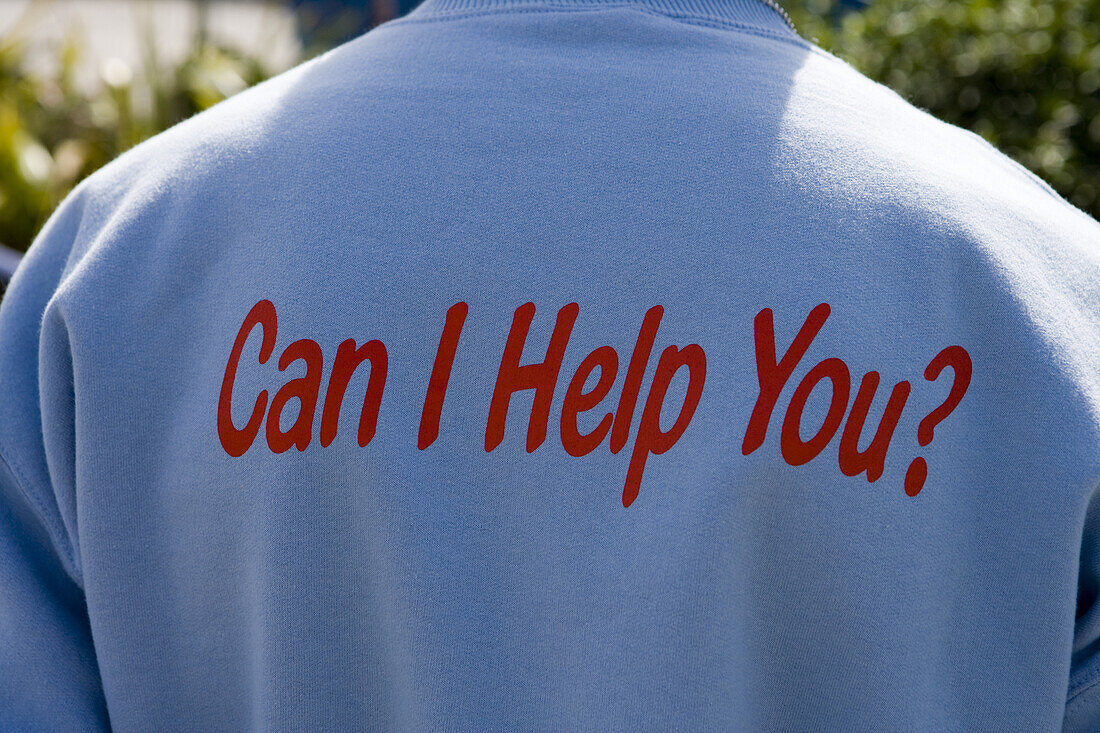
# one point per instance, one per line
(237, 442)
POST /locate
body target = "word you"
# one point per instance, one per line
(773, 374)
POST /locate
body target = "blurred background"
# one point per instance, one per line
(83, 80)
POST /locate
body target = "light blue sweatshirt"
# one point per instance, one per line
(555, 365)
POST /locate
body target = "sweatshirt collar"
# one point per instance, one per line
(759, 14)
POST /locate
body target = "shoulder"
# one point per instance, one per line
(856, 144)
(216, 166)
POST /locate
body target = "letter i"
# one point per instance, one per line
(441, 374)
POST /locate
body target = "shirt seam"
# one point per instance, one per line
(1083, 685)
(550, 7)
(51, 524)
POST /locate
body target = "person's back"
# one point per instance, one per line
(273, 411)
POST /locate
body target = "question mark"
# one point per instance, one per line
(959, 360)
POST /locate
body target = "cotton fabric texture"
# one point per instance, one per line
(698, 156)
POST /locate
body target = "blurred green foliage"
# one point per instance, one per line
(1024, 74)
(55, 131)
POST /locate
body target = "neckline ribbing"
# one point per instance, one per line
(763, 14)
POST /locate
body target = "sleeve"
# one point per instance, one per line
(1082, 712)
(49, 677)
